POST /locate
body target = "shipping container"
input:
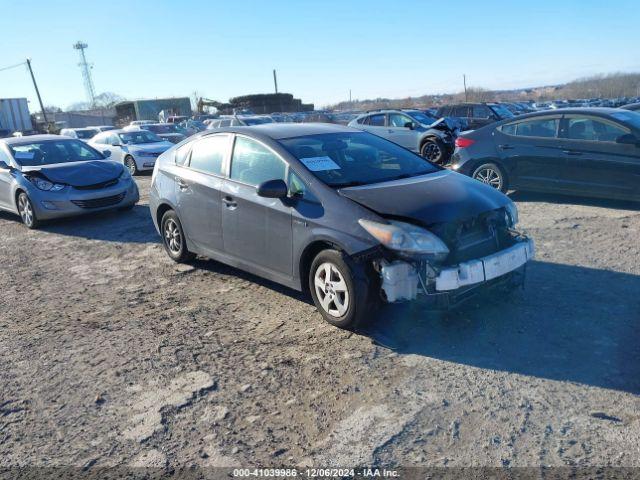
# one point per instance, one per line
(14, 115)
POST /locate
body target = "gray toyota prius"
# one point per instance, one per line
(350, 217)
(43, 177)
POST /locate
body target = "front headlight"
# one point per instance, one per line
(404, 237)
(46, 185)
(512, 214)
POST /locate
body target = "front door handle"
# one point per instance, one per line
(572, 152)
(229, 202)
(506, 147)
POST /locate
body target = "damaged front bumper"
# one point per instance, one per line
(448, 285)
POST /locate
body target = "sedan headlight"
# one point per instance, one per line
(404, 237)
(46, 185)
(512, 214)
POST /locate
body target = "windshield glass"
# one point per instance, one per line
(421, 117)
(85, 134)
(169, 128)
(502, 111)
(136, 138)
(629, 117)
(51, 152)
(349, 159)
(256, 120)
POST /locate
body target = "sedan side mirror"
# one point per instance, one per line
(106, 153)
(409, 125)
(628, 139)
(273, 189)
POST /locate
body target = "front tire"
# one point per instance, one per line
(492, 175)
(173, 238)
(339, 293)
(130, 163)
(26, 211)
(434, 150)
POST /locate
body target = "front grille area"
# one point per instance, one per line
(96, 186)
(100, 202)
(475, 238)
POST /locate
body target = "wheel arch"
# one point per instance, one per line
(309, 253)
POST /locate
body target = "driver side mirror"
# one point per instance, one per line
(628, 139)
(273, 189)
(410, 125)
(106, 153)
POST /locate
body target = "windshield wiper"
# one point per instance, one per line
(354, 183)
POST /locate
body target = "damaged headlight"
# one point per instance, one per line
(512, 214)
(404, 237)
(46, 185)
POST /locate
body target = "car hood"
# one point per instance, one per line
(157, 147)
(438, 197)
(79, 174)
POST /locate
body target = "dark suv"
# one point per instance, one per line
(476, 114)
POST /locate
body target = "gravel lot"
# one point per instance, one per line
(110, 354)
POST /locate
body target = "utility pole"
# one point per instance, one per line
(464, 80)
(86, 73)
(275, 80)
(35, 85)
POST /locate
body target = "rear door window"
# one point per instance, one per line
(539, 127)
(481, 111)
(207, 154)
(460, 111)
(377, 120)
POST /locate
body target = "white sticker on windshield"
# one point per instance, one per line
(319, 164)
(23, 155)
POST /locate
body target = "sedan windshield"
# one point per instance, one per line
(421, 118)
(87, 133)
(168, 128)
(137, 138)
(630, 117)
(51, 152)
(350, 159)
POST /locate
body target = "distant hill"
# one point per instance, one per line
(612, 85)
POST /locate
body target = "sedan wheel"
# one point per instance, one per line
(131, 165)
(433, 151)
(331, 290)
(173, 238)
(25, 209)
(491, 175)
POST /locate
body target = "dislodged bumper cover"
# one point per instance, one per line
(486, 268)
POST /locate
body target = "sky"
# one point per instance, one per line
(321, 49)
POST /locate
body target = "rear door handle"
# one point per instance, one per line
(229, 202)
(572, 152)
(182, 185)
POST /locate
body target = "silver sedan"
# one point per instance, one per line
(44, 177)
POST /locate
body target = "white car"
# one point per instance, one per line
(138, 150)
(137, 123)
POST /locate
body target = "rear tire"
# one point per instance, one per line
(492, 175)
(339, 289)
(26, 211)
(434, 150)
(130, 163)
(173, 238)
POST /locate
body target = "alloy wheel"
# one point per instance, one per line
(489, 176)
(432, 151)
(25, 210)
(131, 165)
(331, 290)
(173, 237)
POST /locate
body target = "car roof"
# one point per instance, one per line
(33, 139)
(279, 131)
(598, 111)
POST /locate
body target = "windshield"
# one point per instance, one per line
(421, 117)
(136, 138)
(169, 128)
(629, 117)
(51, 152)
(85, 134)
(256, 120)
(502, 111)
(349, 159)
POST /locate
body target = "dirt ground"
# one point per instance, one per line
(110, 354)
